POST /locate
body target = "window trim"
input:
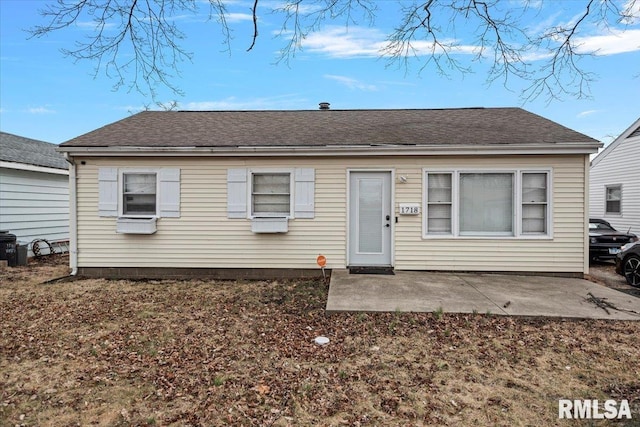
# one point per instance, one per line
(282, 171)
(517, 203)
(125, 171)
(606, 201)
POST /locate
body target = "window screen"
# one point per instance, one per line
(139, 194)
(271, 194)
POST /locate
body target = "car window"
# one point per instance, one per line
(600, 226)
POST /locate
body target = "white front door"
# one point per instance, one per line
(370, 214)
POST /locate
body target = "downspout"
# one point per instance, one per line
(73, 216)
(586, 239)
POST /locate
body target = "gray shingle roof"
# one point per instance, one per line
(18, 149)
(464, 126)
(634, 133)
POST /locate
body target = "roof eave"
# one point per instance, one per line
(32, 168)
(337, 150)
(609, 148)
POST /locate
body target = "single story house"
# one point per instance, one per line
(263, 193)
(614, 189)
(34, 190)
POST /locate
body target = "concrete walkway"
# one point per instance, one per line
(480, 293)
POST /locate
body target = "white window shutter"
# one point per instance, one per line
(169, 197)
(305, 193)
(236, 193)
(108, 192)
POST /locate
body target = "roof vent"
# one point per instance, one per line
(324, 105)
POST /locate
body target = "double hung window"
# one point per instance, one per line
(139, 194)
(439, 203)
(138, 197)
(534, 202)
(270, 194)
(613, 199)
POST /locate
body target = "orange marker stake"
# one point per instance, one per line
(322, 262)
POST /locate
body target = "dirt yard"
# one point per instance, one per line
(203, 353)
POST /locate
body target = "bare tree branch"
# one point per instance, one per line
(218, 12)
(138, 42)
(255, 24)
(303, 17)
(135, 42)
(564, 59)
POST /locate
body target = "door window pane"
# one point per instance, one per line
(370, 226)
(486, 203)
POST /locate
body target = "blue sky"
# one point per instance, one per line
(46, 96)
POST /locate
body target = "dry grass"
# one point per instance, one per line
(97, 352)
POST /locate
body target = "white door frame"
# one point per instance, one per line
(392, 174)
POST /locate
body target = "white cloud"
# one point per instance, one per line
(616, 41)
(631, 12)
(95, 25)
(612, 43)
(299, 7)
(536, 56)
(39, 110)
(238, 17)
(338, 42)
(359, 42)
(587, 113)
(289, 101)
(539, 26)
(230, 103)
(351, 83)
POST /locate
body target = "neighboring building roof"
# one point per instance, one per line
(18, 149)
(631, 132)
(321, 128)
(635, 133)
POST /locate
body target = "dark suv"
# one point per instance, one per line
(605, 241)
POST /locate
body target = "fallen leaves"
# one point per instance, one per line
(224, 353)
(262, 389)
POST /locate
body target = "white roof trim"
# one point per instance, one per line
(609, 148)
(32, 168)
(339, 150)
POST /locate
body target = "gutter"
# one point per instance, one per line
(32, 168)
(339, 150)
(73, 216)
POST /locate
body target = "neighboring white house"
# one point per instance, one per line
(263, 193)
(34, 190)
(614, 193)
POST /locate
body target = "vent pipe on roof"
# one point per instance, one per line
(324, 105)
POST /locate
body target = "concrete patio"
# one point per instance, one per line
(479, 293)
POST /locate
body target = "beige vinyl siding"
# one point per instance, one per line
(563, 253)
(203, 237)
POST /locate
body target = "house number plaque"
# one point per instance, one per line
(409, 208)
